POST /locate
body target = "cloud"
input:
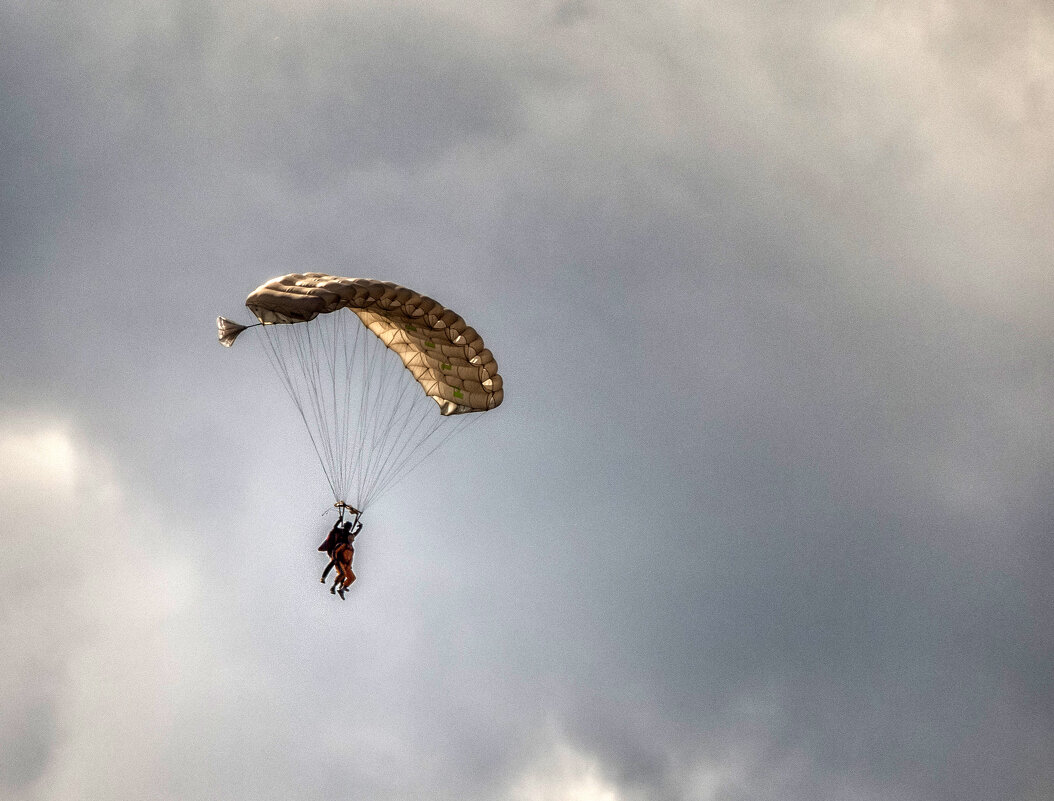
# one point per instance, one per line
(87, 591)
(564, 774)
(770, 289)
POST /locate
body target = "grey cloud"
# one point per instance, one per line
(26, 740)
(337, 91)
(845, 412)
(776, 449)
(572, 11)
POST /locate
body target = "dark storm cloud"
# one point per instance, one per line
(400, 88)
(866, 489)
(770, 517)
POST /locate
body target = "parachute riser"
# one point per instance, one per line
(346, 507)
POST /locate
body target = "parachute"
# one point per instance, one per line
(381, 375)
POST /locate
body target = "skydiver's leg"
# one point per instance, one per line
(328, 568)
(338, 582)
(334, 561)
(337, 577)
(343, 560)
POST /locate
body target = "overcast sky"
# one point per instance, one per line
(766, 514)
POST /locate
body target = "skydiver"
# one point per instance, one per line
(330, 545)
(344, 552)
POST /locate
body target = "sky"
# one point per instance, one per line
(766, 513)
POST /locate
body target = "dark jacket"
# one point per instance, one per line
(330, 544)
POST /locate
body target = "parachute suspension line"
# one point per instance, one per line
(385, 472)
(281, 362)
(412, 440)
(342, 357)
(395, 441)
(406, 434)
(411, 458)
(414, 457)
(409, 412)
(369, 422)
(333, 435)
(385, 432)
(366, 372)
(371, 393)
(342, 369)
(313, 373)
(334, 354)
(389, 407)
(310, 340)
(341, 362)
(357, 363)
(303, 338)
(346, 467)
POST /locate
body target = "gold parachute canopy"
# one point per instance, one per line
(443, 353)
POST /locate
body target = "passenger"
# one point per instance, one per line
(329, 546)
(342, 557)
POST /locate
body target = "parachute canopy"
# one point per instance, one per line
(444, 354)
(333, 342)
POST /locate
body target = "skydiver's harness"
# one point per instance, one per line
(356, 526)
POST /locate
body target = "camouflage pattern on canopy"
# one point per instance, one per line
(444, 354)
